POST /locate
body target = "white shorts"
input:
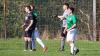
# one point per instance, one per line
(71, 35)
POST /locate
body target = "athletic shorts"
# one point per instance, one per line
(71, 35)
(63, 34)
(28, 33)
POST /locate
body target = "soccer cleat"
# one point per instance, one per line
(76, 51)
(45, 49)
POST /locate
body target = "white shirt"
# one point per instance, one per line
(65, 14)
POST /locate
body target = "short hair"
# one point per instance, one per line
(72, 9)
(66, 4)
(28, 7)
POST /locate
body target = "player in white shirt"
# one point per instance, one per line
(63, 19)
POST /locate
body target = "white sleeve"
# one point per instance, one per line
(65, 14)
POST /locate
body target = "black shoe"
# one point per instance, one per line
(76, 51)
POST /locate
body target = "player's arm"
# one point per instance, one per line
(65, 30)
(61, 17)
(72, 27)
(22, 25)
(31, 22)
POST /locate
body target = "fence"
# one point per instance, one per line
(12, 15)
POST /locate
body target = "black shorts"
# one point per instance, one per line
(63, 34)
(28, 33)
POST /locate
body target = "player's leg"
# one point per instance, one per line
(36, 34)
(26, 43)
(71, 36)
(30, 43)
(41, 43)
(33, 45)
(28, 40)
(62, 44)
(76, 50)
(63, 38)
(33, 42)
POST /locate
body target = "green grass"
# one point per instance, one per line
(15, 47)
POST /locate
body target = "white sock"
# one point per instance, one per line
(75, 48)
(40, 42)
(72, 47)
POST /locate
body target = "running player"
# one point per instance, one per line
(71, 29)
(35, 33)
(38, 39)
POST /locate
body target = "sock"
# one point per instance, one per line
(30, 45)
(72, 47)
(62, 43)
(75, 48)
(40, 42)
(26, 45)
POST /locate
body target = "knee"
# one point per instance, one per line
(70, 42)
(62, 39)
(25, 39)
(29, 39)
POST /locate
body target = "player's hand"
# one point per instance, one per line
(69, 30)
(64, 31)
(58, 16)
(26, 29)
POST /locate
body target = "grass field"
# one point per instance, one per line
(15, 47)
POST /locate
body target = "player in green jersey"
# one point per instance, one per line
(71, 29)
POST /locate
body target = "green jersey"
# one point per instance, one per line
(71, 20)
(35, 13)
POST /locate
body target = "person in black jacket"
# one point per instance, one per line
(28, 26)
